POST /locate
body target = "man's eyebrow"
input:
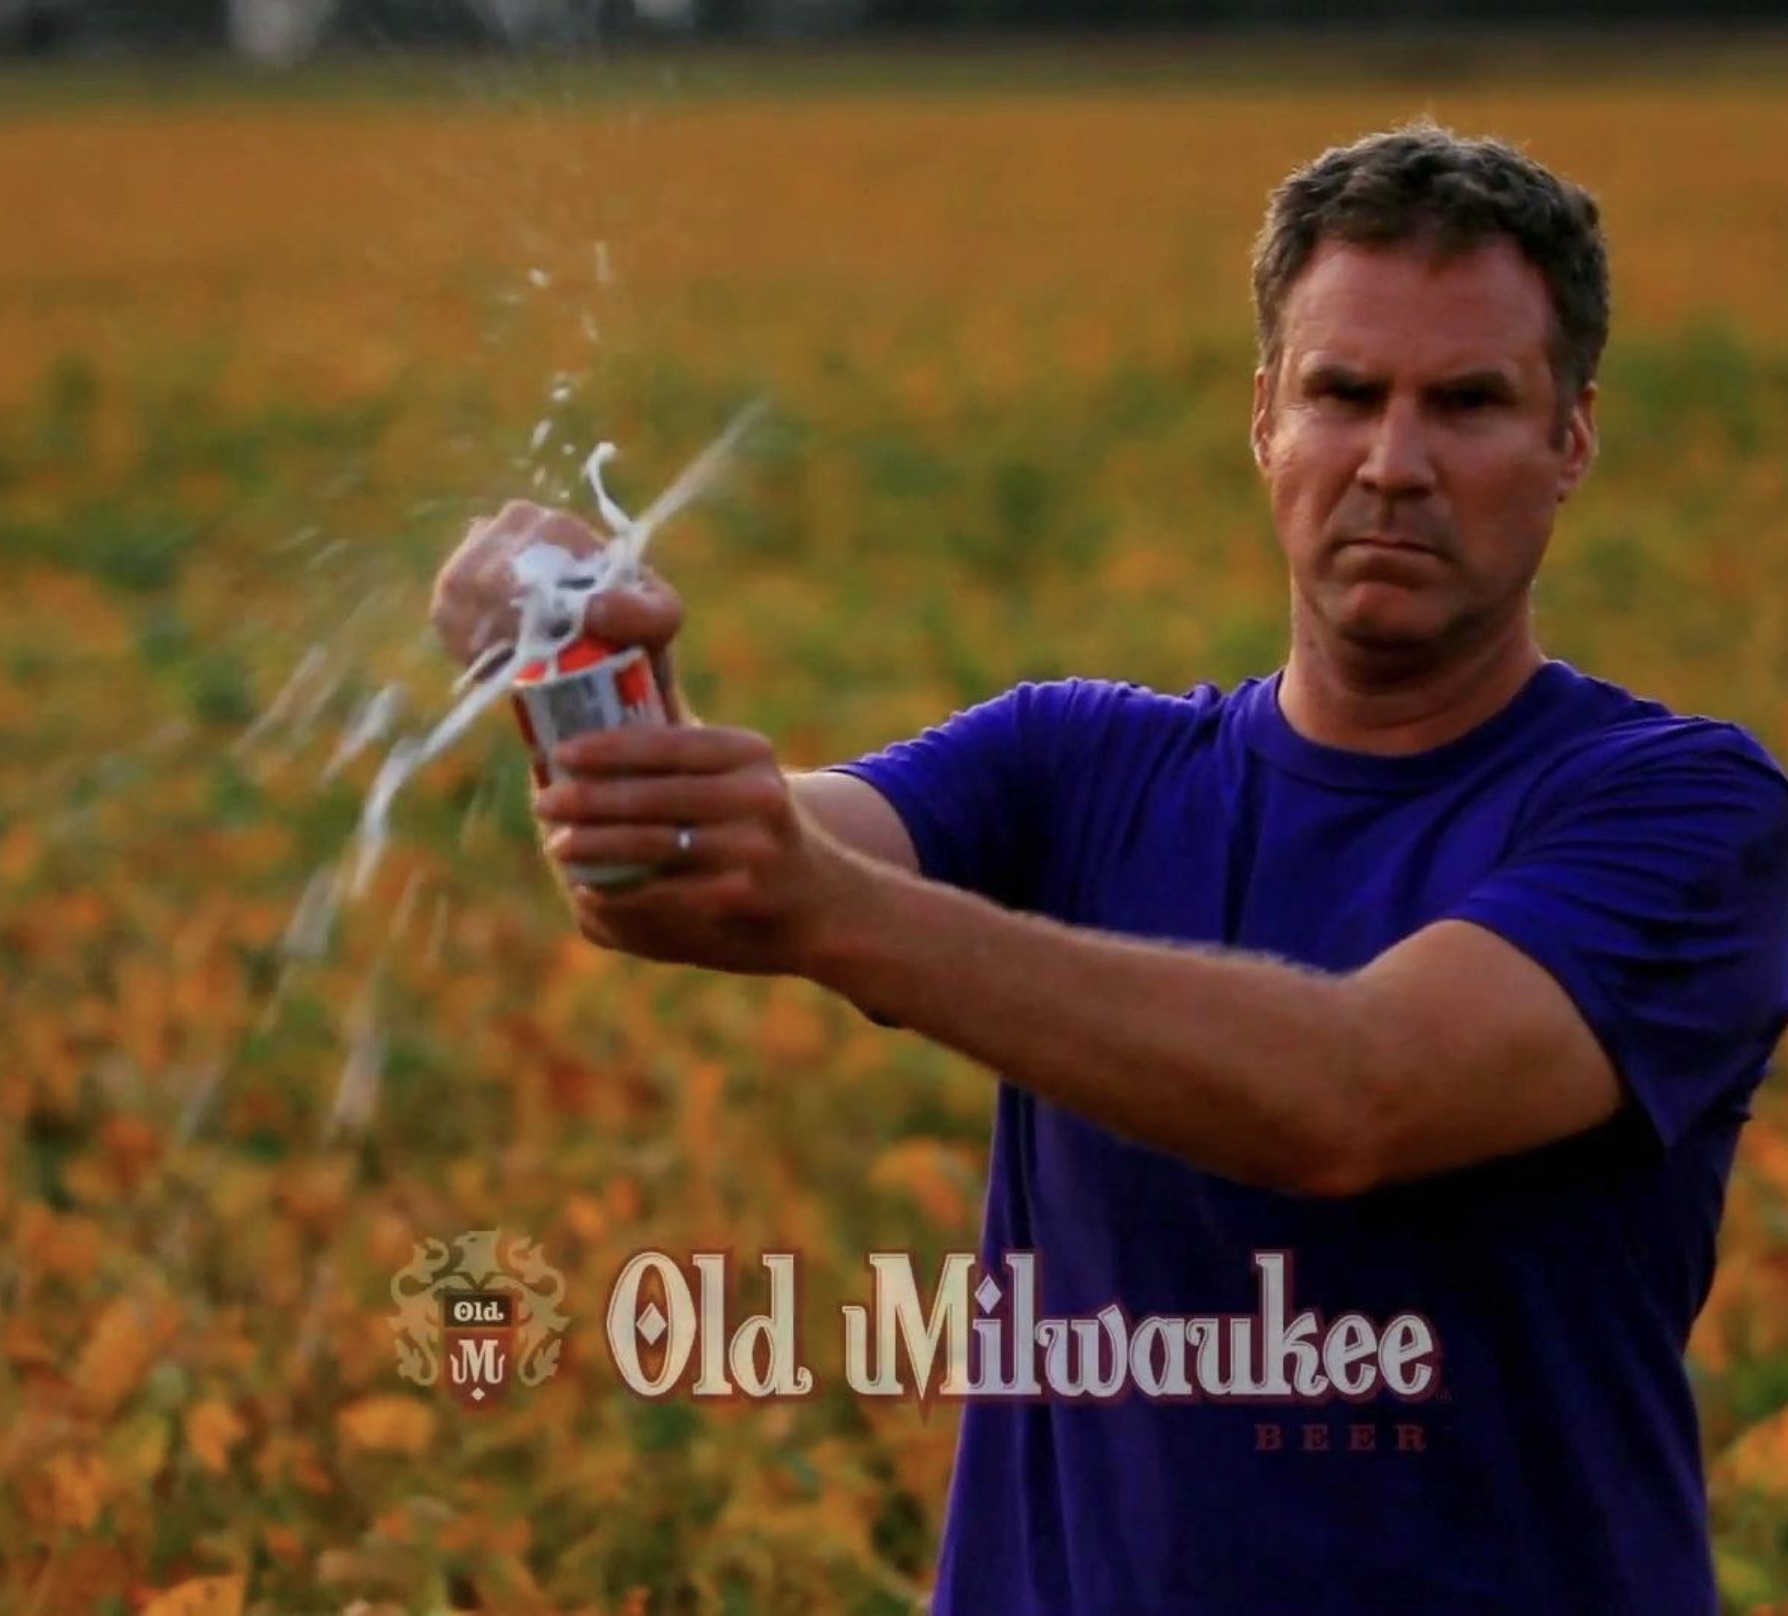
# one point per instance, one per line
(1487, 379)
(1497, 383)
(1333, 373)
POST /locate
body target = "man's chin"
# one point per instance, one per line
(1389, 636)
(1393, 636)
(1388, 620)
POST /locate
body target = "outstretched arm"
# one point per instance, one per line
(1453, 1047)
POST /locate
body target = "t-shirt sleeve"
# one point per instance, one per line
(974, 792)
(1655, 890)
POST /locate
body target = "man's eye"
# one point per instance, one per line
(1470, 398)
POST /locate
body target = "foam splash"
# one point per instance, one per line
(302, 679)
(286, 723)
(437, 932)
(552, 588)
(306, 938)
(362, 1078)
(370, 725)
(307, 933)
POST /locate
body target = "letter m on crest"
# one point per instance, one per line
(478, 1328)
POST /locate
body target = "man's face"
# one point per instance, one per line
(1411, 446)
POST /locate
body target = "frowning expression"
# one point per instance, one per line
(1414, 445)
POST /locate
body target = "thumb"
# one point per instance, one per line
(647, 613)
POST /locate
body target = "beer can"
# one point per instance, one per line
(581, 686)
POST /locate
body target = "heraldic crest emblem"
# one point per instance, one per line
(486, 1307)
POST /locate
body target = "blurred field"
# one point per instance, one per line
(260, 359)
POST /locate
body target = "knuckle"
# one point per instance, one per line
(727, 892)
(567, 531)
(571, 800)
(623, 799)
(764, 791)
(745, 793)
(758, 849)
(738, 893)
(450, 585)
(599, 801)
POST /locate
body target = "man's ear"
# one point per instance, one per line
(1260, 426)
(1580, 443)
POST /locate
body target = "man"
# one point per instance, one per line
(1436, 965)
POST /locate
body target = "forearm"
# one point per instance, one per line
(1240, 1064)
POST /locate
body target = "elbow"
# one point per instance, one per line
(1343, 1149)
(1317, 1160)
(1336, 1171)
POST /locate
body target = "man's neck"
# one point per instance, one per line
(1360, 705)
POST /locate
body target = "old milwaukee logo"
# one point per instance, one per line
(479, 1314)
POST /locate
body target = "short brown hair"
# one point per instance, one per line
(1422, 184)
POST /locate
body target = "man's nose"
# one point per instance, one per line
(1398, 456)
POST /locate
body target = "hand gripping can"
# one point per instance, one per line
(584, 685)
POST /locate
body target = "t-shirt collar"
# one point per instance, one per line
(1270, 735)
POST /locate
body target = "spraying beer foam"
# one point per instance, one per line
(553, 587)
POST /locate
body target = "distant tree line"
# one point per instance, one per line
(1241, 15)
(298, 26)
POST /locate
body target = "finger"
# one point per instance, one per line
(669, 799)
(664, 749)
(460, 598)
(648, 613)
(661, 848)
(473, 606)
(664, 671)
(674, 897)
(522, 522)
(591, 921)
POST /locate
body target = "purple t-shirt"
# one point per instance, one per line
(1551, 1464)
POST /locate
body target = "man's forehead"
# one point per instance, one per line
(1485, 308)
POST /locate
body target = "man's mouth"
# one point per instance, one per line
(1387, 543)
